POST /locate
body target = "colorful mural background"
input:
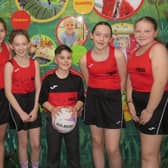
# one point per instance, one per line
(46, 16)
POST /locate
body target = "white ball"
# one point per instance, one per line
(65, 121)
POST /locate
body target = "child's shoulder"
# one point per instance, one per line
(76, 73)
(48, 74)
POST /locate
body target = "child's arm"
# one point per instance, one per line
(78, 107)
(8, 91)
(121, 65)
(43, 98)
(50, 108)
(34, 112)
(83, 68)
(79, 104)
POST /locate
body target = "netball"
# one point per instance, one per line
(65, 121)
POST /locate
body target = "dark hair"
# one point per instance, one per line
(102, 23)
(148, 19)
(4, 24)
(14, 33)
(62, 47)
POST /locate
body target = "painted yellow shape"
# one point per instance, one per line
(83, 6)
(127, 115)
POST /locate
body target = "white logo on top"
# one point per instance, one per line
(17, 69)
(151, 128)
(53, 87)
(90, 65)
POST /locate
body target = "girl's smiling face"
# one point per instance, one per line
(145, 32)
(101, 36)
(20, 45)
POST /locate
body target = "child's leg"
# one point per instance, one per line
(72, 147)
(2, 146)
(34, 135)
(22, 145)
(54, 147)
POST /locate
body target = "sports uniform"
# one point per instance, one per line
(62, 92)
(23, 88)
(4, 110)
(103, 106)
(140, 70)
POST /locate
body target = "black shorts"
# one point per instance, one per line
(26, 101)
(4, 108)
(103, 108)
(158, 124)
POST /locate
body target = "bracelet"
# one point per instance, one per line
(129, 102)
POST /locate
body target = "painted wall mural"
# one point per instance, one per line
(47, 22)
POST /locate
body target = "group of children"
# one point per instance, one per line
(20, 90)
(105, 71)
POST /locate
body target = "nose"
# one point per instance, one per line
(141, 33)
(101, 37)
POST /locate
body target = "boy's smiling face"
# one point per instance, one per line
(64, 60)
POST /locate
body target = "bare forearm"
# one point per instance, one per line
(12, 100)
(78, 106)
(48, 106)
(156, 94)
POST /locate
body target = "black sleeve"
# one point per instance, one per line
(44, 91)
(81, 91)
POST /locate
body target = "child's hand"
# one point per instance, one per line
(25, 117)
(55, 111)
(74, 111)
(132, 112)
(33, 115)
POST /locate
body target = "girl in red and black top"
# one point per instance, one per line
(4, 110)
(22, 87)
(147, 90)
(104, 69)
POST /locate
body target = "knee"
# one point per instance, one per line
(23, 144)
(148, 156)
(2, 140)
(113, 151)
(35, 146)
(97, 142)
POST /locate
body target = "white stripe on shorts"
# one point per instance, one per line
(13, 118)
(164, 110)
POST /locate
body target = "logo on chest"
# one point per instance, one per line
(139, 69)
(53, 87)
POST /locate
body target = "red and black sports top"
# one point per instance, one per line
(103, 74)
(140, 71)
(62, 92)
(4, 57)
(23, 78)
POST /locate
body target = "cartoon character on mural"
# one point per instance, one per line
(72, 31)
